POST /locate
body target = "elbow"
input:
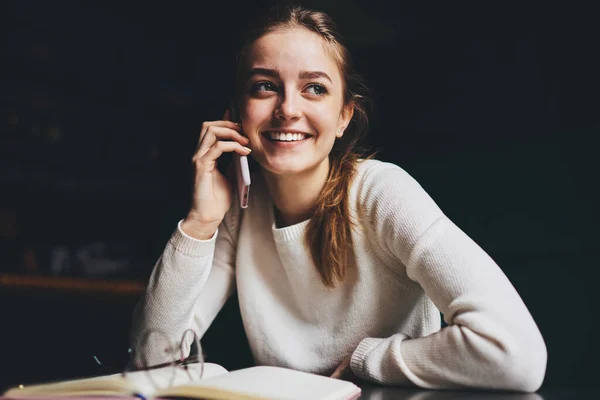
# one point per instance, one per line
(523, 369)
(527, 377)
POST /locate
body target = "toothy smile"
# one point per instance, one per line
(286, 136)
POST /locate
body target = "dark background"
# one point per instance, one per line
(493, 109)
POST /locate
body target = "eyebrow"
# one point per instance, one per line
(303, 74)
(314, 74)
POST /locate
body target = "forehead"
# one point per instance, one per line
(293, 50)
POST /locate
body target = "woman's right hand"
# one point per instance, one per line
(212, 192)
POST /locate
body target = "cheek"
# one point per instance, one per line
(254, 112)
(324, 120)
(326, 113)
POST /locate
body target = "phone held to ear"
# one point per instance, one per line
(243, 178)
(242, 171)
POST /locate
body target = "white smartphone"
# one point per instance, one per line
(242, 173)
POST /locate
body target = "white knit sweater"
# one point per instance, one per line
(410, 263)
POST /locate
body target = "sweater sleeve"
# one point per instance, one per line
(491, 340)
(189, 285)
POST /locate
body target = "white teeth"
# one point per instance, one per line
(287, 137)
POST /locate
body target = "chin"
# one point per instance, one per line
(288, 167)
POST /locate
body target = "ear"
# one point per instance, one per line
(345, 118)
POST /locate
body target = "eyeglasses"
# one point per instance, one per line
(164, 362)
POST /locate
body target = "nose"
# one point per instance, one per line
(288, 108)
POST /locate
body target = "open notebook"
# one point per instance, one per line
(217, 383)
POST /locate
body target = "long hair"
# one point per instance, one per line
(329, 232)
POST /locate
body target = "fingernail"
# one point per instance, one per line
(247, 148)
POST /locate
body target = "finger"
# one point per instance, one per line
(217, 133)
(227, 124)
(219, 148)
(227, 115)
(224, 133)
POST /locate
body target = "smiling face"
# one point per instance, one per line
(292, 104)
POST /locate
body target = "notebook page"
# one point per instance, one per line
(161, 378)
(268, 383)
(117, 384)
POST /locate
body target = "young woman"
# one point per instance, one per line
(342, 265)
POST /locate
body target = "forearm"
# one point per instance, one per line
(455, 357)
(174, 286)
(491, 341)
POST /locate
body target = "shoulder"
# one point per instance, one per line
(382, 188)
(369, 168)
(391, 207)
(379, 178)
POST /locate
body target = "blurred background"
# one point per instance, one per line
(491, 108)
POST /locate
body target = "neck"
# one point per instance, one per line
(295, 195)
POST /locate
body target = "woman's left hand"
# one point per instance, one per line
(344, 372)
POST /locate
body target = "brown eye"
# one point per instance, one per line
(263, 87)
(317, 89)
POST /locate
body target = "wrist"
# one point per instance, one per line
(198, 230)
